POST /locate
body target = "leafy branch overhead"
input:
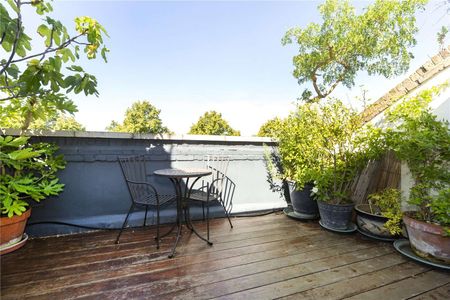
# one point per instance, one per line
(32, 81)
(375, 41)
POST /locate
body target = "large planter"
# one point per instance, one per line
(372, 224)
(427, 240)
(302, 202)
(12, 230)
(336, 216)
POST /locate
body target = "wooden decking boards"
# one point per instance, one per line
(263, 257)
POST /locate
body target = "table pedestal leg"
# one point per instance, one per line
(183, 213)
(191, 226)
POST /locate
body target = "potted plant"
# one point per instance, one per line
(381, 217)
(27, 172)
(277, 182)
(343, 148)
(422, 141)
(299, 156)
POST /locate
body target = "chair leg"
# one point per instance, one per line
(157, 228)
(203, 208)
(207, 220)
(145, 217)
(124, 223)
(228, 216)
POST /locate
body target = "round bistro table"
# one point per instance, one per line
(176, 176)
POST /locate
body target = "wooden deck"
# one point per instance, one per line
(261, 258)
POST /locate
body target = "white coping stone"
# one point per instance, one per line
(138, 136)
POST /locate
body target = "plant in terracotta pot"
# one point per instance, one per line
(381, 217)
(422, 141)
(343, 148)
(27, 172)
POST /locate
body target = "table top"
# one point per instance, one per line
(182, 173)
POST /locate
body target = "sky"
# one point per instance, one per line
(189, 57)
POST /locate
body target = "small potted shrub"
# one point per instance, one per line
(299, 156)
(27, 172)
(422, 141)
(381, 217)
(344, 147)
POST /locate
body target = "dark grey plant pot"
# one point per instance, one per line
(371, 223)
(336, 216)
(302, 202)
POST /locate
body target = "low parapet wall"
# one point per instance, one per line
(95, 194)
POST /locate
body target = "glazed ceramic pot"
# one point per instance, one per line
(427, 240)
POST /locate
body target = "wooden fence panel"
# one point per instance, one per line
(377, 176)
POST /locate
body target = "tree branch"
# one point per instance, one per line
(2, 38)
(16, 38)
(80, 43)
(316, 87)
(65, 44)
(50, 45)
(8, 87)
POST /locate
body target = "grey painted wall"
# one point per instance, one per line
(96, 194)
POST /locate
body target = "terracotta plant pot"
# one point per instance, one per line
(427, 240)
(11, 230)
(371, 223)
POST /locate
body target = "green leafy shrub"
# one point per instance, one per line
(387, 204)
(423, 142)
(326, 143)
(27, 171)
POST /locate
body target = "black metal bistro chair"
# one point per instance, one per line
(220, 188)
(143, 194)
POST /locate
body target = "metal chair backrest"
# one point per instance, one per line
(227, 194)
(133, 168)
(218, 164)
(135, 174)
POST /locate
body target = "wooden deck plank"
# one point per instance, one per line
(353, 286)
(121, 250)
(441, 293)
(95, 240)
(110, 251)
(302, 283)
(213, 278)
(137, 271)
(407, 288)
(158, 264)
(248, 276)
(262, 257)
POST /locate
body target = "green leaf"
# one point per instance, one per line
(13, 5)
(23, 154)
(43, 30)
